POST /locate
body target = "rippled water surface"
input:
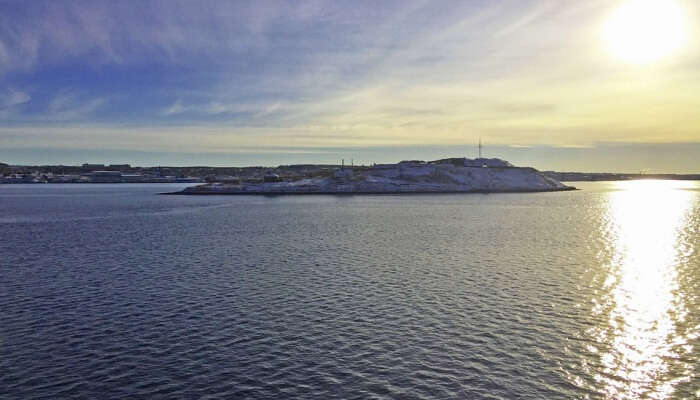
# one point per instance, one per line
(110, 291)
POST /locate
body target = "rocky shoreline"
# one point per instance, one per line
(347, 193)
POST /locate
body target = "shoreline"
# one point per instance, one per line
(352, 193)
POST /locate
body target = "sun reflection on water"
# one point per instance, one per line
(645, 220)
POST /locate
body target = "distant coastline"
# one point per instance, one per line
(125, 173)
(610, 176)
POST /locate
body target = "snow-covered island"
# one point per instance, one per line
(453, 175)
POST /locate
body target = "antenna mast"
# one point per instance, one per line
(479, 146)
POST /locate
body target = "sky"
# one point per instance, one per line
(543, 83)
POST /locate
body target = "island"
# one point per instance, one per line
(451, 175)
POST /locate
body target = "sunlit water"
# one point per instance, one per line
(109, 291)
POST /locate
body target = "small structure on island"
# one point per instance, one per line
(343, 173)
(271, 177)
(487, 163)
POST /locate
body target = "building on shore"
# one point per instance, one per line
(104, 176)
(93, 167)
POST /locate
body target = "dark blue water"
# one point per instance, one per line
(110, 291)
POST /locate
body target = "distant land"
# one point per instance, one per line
(450, 175)
(610, 176)
(125, 173)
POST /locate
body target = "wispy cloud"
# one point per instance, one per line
(10, 101)
(12, 98)
(174, 109)
(69, 107)
(135, 32)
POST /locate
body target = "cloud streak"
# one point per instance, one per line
(13, 98)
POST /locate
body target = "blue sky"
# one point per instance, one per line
(238, 83)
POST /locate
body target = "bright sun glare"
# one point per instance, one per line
(641, 31)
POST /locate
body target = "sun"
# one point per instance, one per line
(642, 31)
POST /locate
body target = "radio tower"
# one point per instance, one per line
(479, 146)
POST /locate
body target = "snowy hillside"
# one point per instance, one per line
(451, 175)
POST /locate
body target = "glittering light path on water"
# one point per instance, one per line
(649, 229)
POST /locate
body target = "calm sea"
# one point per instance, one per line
(110, 291)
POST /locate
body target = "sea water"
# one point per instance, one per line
(112, 291)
